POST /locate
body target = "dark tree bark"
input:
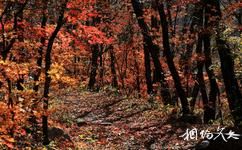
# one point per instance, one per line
(153, 50)
(95, 54)
(139, 14)
(148, 70)
(20, 30)
(200, 73)
(230, 81)
(214, 90)
(194, 94)
(200, 83)
(51, 40)
(18, 16)
(113, 69)
(169, 57)
(101, 62)
(8, 47)
(40, 50)
(3, 43)
(204, 40)
(168, 4)
(33, 119)
(227, 64)
(186, 58)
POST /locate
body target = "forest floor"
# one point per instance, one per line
(102, 120)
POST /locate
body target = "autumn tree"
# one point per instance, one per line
(151, 50)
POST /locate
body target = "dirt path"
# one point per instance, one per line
(98, 121)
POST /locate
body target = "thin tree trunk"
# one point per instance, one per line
(197, 20)
(214, 90)
(152, 49)
(8, 47)
(207, 108)
(60, 23)
(227, 63)
(148, 70)
(168, 54)
(194, 95)
(40, 50)
(101, 62)
(95, 54)
(139, 13)
(33, 119)
(113, 69)
(17, 20)
(230, 81)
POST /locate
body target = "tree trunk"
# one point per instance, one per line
(33, 119)
(40, 50)
(101, 62)
(214, 90)
(167, 52)
(227, 64)
(17, 20)
(152, 49)
(95, 54)
(113, 69)
(194, 94)
(230, 81)
(60, 23)
(139, 13)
